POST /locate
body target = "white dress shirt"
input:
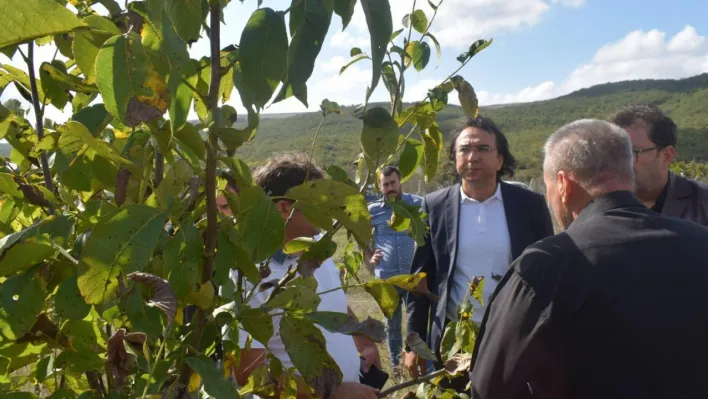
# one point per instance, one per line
(483, 250)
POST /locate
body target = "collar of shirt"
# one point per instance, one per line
(465, 198)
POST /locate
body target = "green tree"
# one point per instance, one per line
(104, 243)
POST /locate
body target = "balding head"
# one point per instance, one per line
(583, 160)
(597, 154)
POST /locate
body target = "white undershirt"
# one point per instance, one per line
(483, 249)
(340, 346)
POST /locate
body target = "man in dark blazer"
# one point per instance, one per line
(614, 306)
(654, 137)
(476, 229)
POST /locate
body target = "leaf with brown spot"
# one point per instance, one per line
(415, 283)
(164, 297)
(477, 288)
(460, 363)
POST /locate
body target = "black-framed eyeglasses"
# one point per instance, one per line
(637, 152)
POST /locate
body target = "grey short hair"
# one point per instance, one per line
(591, 150)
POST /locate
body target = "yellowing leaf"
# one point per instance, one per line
(25, 20)
(204, 297)
(195, 382)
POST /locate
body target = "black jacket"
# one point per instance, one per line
(615, 307)
(686, 199)
(528, 221)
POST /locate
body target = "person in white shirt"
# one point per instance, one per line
(476, 229)
(277, 176)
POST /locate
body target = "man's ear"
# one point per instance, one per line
(565, 186)
(668, 155)
(284, 207)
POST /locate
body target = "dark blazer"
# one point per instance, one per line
(528, 221)
(686, 199)
(614, 307)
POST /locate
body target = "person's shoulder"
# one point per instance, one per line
(376, 205)
(412, 199)
(441, 195)
(522, 192)
(544, 260)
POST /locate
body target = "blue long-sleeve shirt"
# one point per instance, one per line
(397, 247)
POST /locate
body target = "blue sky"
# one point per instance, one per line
(542, 48)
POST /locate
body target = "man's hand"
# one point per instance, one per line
(376, 257)
(354, 390)
(371, 356)
(415, 365)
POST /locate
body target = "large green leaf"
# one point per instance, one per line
(385, 295)
(378, 19)
(379, 136)
(231, 256)
(120, 244)
(410, 158)
(183, 258)
(21, 300)
(142, 318)
(69, 303)
(26, 20)
(313, 19)
(214, 383)
(410, 218)
(20, 250)
(419, 21)
(343, 323)
(340, 201)
(258, 323)
(21, 80)
(132, 90)
(263, 54)
(54, 92)
(306, 347)
(86, 44)
(187, 17)
(418, 53)
(189, 136)
(263, 227)
(299, 296)
(345, 9)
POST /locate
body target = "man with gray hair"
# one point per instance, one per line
(612, 307)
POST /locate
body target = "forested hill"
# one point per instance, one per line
(527, 125)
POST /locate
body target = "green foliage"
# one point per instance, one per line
(109, 221)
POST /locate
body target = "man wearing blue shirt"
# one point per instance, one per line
(393, 250)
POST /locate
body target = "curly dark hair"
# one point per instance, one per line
(663, 131)
(509, 161)
(282, 172)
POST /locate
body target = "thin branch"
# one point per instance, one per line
(157, 360)
(211, 164)
(410, 383)
(39, 115)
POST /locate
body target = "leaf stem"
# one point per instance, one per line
(410, 383)
(154, 364)
(399, 93)
(39, 115)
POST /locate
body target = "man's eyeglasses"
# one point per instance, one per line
(480, 149)
(637, 152)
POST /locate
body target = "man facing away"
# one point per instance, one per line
(393, 252)
(476, 229)
(653, 136)
(276, 177)
(613, 307)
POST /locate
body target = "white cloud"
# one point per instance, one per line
(343, 39)
(639, 55)
(459, 22)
